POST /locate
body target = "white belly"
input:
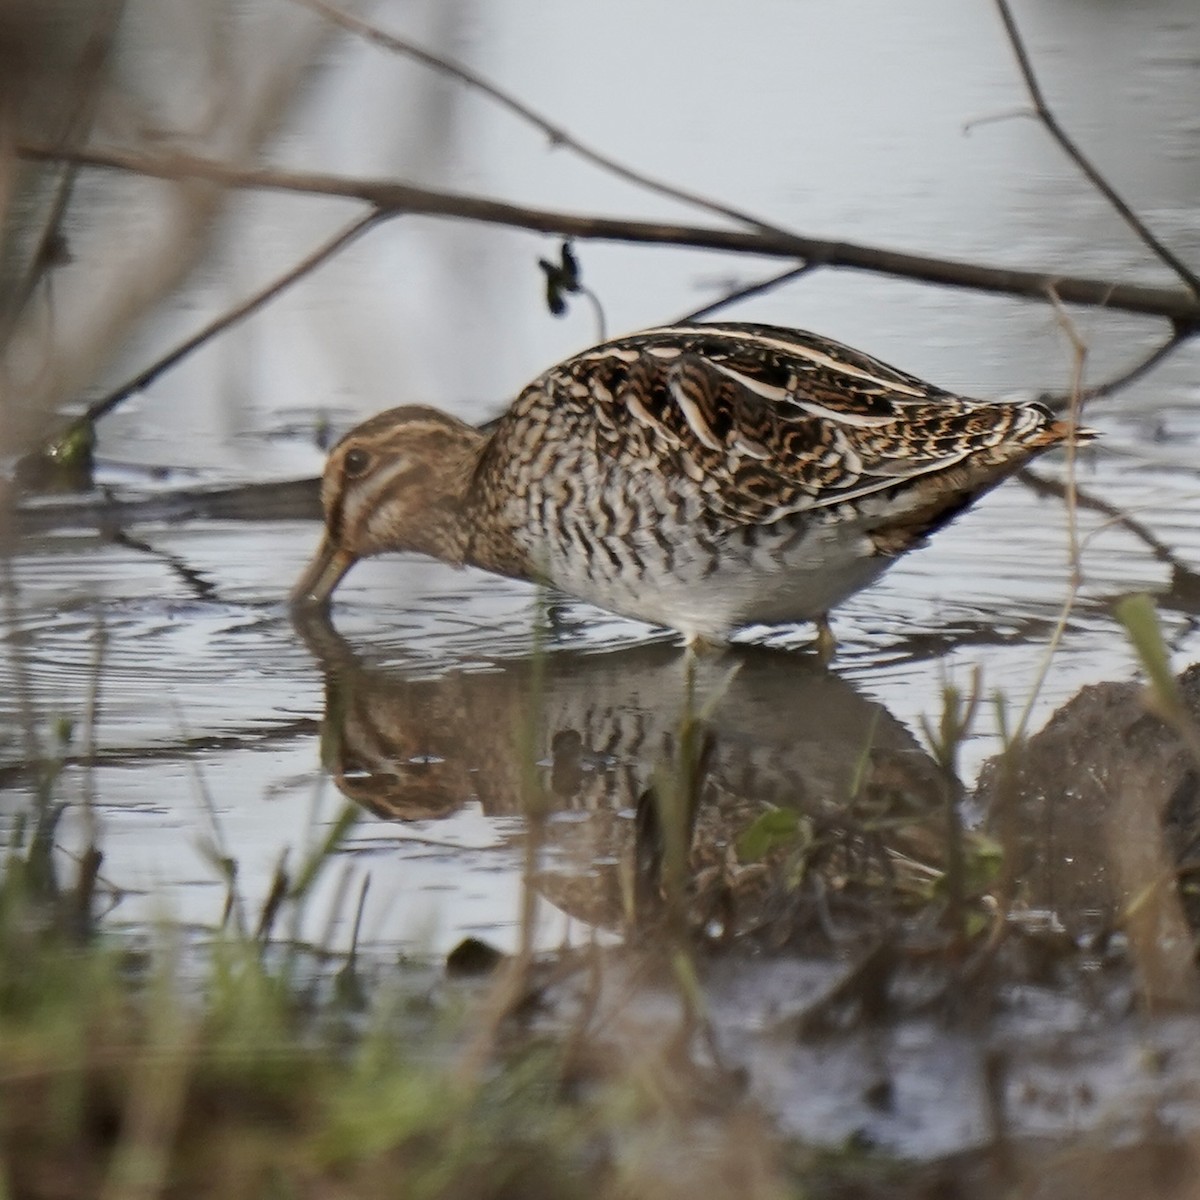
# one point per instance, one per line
(709, 589)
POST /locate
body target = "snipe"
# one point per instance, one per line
(703, 477)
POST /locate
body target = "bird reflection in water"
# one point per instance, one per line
(595, 735)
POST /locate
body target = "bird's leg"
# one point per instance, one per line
(697, 643)
(826, 643)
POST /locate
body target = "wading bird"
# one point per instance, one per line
(700, 476)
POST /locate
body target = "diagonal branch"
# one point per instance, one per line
(737, 295)
(557, 135)
(144, 378)
(391, 198)
(1059, 402)
(1056, 131)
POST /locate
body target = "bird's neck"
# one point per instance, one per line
(487, 519)
(446, 530)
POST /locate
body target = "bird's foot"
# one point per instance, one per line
(697, 643)
(826, 643)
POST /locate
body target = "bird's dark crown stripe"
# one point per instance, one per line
(397, 424)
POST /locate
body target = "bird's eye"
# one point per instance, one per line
(356, 462)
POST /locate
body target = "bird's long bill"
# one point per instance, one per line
(322, 575)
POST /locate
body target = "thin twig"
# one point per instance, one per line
(1079, 356)
(1056, 131)
(1078, 359)
(228, 864)
(557, 135)
(744, 293)
(597, 312)
(1059, 402)
(996, 117)
(1175, 304)
(143, 379)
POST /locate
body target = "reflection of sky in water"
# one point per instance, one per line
(793, 114)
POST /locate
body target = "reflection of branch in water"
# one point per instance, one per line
(1056, 131)
(1183, 595)
(284, 734)
(929, 645)
(1041, 485)
(864, 984)
(193, 580)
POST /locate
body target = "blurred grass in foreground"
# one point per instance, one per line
(164, 1064)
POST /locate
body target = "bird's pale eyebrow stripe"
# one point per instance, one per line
(378, 483)
(382, 478)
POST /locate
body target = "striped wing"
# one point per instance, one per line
(766, 421)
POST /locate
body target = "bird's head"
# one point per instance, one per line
(398, 481)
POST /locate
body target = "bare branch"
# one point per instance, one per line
(557, 135)
(143, 379)
(1174, 304)
(1056, 131)
(275, 500)
(996, 118)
